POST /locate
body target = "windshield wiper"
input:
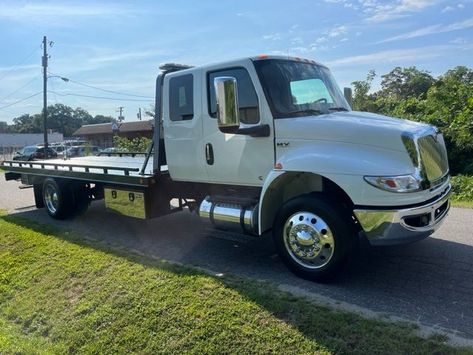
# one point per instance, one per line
(337, 109)
(310, 111)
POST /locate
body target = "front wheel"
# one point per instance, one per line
(314, 236)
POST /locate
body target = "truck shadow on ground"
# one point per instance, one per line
(429, 281)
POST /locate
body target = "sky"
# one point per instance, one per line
(117, 46)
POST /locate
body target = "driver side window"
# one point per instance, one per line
(247, 97)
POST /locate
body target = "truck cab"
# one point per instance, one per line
(196, 149)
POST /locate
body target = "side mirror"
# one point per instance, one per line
(347, 92)
(226, 93)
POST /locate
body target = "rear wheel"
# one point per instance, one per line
(314, 236)
(58, 199)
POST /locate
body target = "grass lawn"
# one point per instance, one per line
(462, 204)
(62, 294)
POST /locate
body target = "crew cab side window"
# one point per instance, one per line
(181, 98)
(247, 98)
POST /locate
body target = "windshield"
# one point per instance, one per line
(299, 89)
(28, 150)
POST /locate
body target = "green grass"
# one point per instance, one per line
(462, 191)
(461, 204)
(60, 294)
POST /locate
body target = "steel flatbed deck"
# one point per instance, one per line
(122, 170)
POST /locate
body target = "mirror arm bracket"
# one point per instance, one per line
(255, 131)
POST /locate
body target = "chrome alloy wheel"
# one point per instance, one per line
(309, 240)
(51, 199)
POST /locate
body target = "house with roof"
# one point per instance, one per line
(102, 134)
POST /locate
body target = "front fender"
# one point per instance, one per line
(345, 165)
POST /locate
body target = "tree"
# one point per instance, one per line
(449, 106)
(100, 119)
(406, 82)
(26, 124)
(151, 111)
(446, 102)
(362, 100)
(61, 118)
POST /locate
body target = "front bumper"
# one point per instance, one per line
(405, 225)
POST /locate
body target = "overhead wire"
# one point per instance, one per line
(20, 63)
(24, 99)
(144, 98)
(101, 89)
(22, 87)
(98, 97)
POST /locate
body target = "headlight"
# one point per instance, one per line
(403, 183)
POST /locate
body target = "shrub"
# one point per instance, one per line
(135, 145)
(462, 187)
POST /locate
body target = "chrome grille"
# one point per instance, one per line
(433, 157)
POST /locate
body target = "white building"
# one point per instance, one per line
(24, 139)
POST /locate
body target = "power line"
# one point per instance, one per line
(22, 87)
(101, 89)
(20, 63)
(17, 102)
(97, 97)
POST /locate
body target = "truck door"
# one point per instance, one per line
(182, 120)
(234, 158)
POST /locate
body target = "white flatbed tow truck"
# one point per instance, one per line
(265, 144)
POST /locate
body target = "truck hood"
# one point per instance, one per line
(349, 127)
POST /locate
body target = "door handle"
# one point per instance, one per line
(209, 154)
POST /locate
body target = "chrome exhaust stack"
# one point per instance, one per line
(230, 214)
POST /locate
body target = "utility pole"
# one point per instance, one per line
(138, 115)
(120, 116)
(45, 95)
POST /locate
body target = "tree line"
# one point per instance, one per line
(61, 118)
(445, 102)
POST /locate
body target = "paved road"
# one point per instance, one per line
(430, 281)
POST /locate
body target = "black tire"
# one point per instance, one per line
(314, 236)
(38, 195)
(58, 198)
(81, 199)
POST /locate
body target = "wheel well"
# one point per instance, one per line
(292, 184)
